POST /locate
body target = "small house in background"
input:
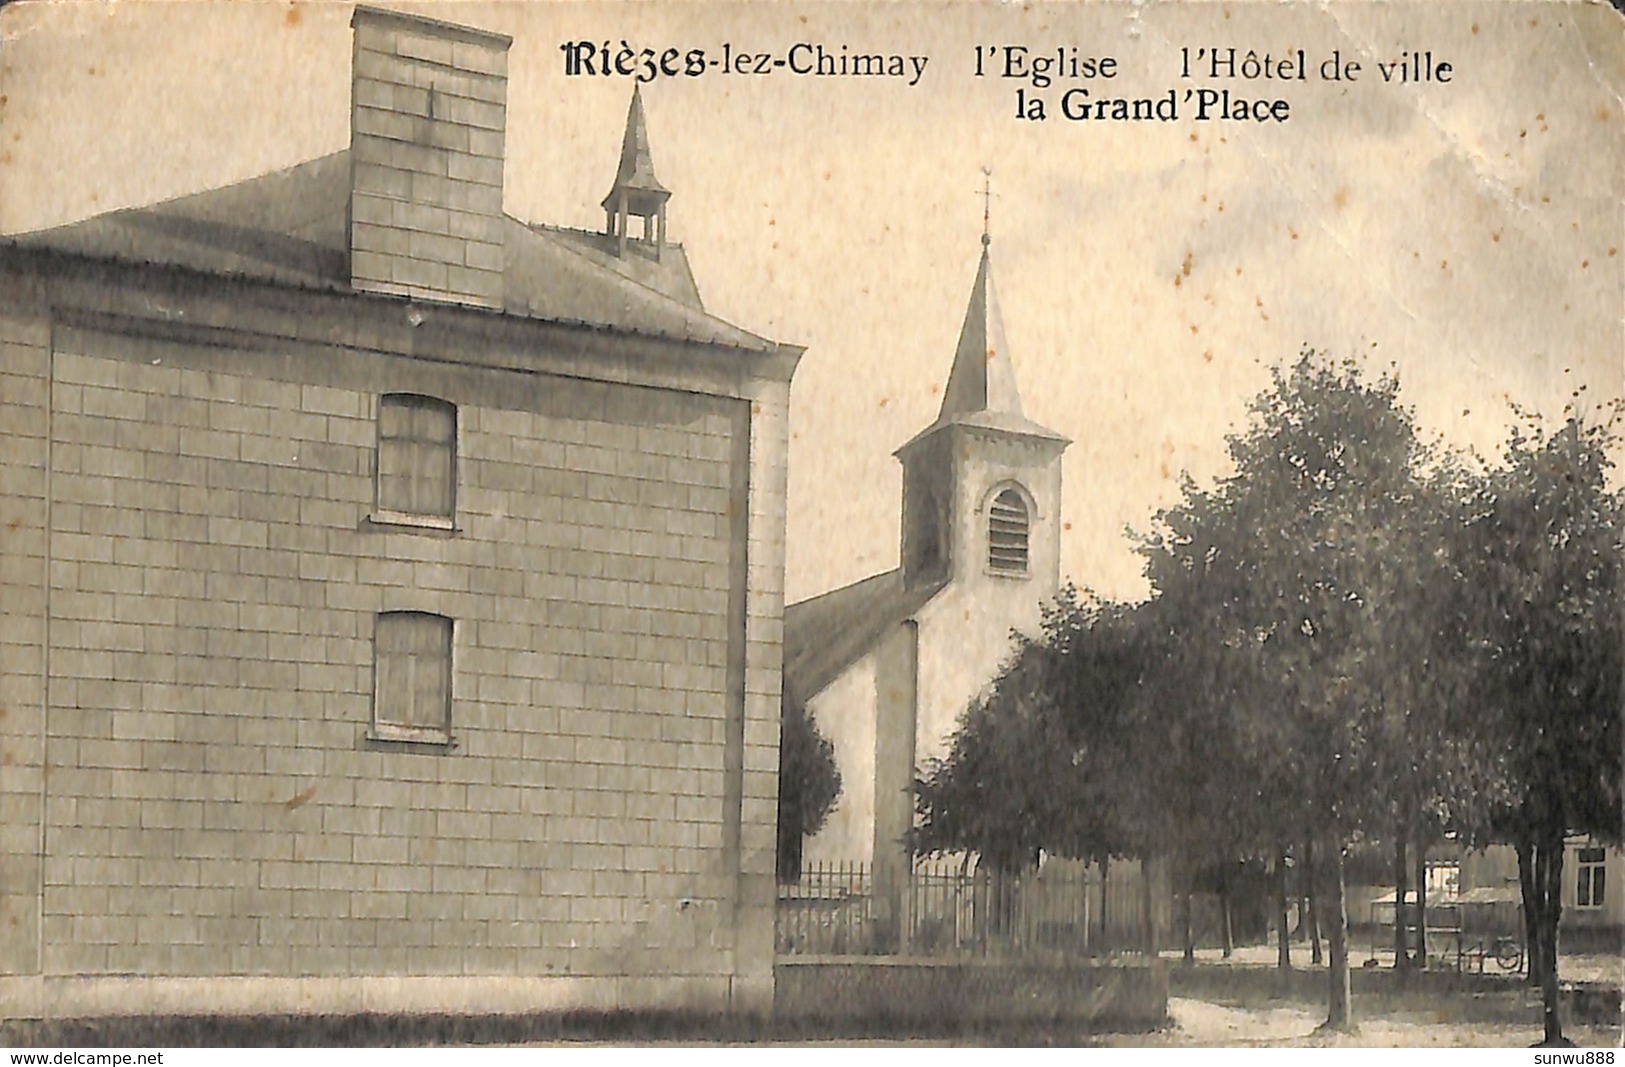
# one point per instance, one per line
(391, 595)
(1593, 891)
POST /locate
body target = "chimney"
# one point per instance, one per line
(428, 107)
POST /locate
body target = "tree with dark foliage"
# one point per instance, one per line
(1547, 538)
(809, 785)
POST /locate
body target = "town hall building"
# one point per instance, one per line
(390, 587)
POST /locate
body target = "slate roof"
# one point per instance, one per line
(290, 227)
(827, 634)
(636, 172)
(981, 390)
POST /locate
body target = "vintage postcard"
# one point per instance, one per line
(1043, 523)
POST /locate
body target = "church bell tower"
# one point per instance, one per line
(982, 484)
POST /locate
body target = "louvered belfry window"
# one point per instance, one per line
(1007, 528)
(417, 456)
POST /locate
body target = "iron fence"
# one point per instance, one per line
(947, 908)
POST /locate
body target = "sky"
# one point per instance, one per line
(1465, 234)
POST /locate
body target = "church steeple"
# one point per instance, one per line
(982, 379)
(636, 190)
(982, 483)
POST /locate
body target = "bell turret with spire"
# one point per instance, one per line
(982, 483)
(636, 190)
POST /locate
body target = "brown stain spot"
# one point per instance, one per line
(1612, 252)
(1495, 235)
(1185, 267)
(755, 407)
(1238, 272)
(1163, 469)
(1603, 114)
(1221, 207)
(299, 799)
(1475, 28)
(1194, 329)
(1176, 281)
(1533, 23)
(6, 760)
(772, 221)
(826, 175)
(1193, 138)
(1293, 232)
(1523, 133)
(1207, 357)
(1545, 200)
(1340, 199)
(935, 389)
(1066, 526)
(885, 400)
(1584, 263)
(292, 17)
(5, 157)
(3, 99)
(1444, 264)
(15, 524)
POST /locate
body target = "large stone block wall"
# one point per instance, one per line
(24, 427)
(214, 804)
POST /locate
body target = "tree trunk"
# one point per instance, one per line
(1148, 913)
(1312, 909)
(1421, 902)
(1105, 870)
(1549, 873)
(1301, 930)
(1185, 922)
(1339, 997)
(1283, 936)
(1224, 908)
(1531, 911)
(1402, 889)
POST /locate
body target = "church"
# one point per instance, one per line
(391, 588)
(887, 665)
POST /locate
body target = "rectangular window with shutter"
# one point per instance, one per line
(411, 698)
(1591, 888)
(417, 461)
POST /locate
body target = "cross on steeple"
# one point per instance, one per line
(987, 205)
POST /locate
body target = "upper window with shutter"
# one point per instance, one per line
(417, 460)
(1007, 528)
(411, 697)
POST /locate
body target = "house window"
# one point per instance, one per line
(1007, 526)
(411, 695)
(1592, 887)
(417, 460)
